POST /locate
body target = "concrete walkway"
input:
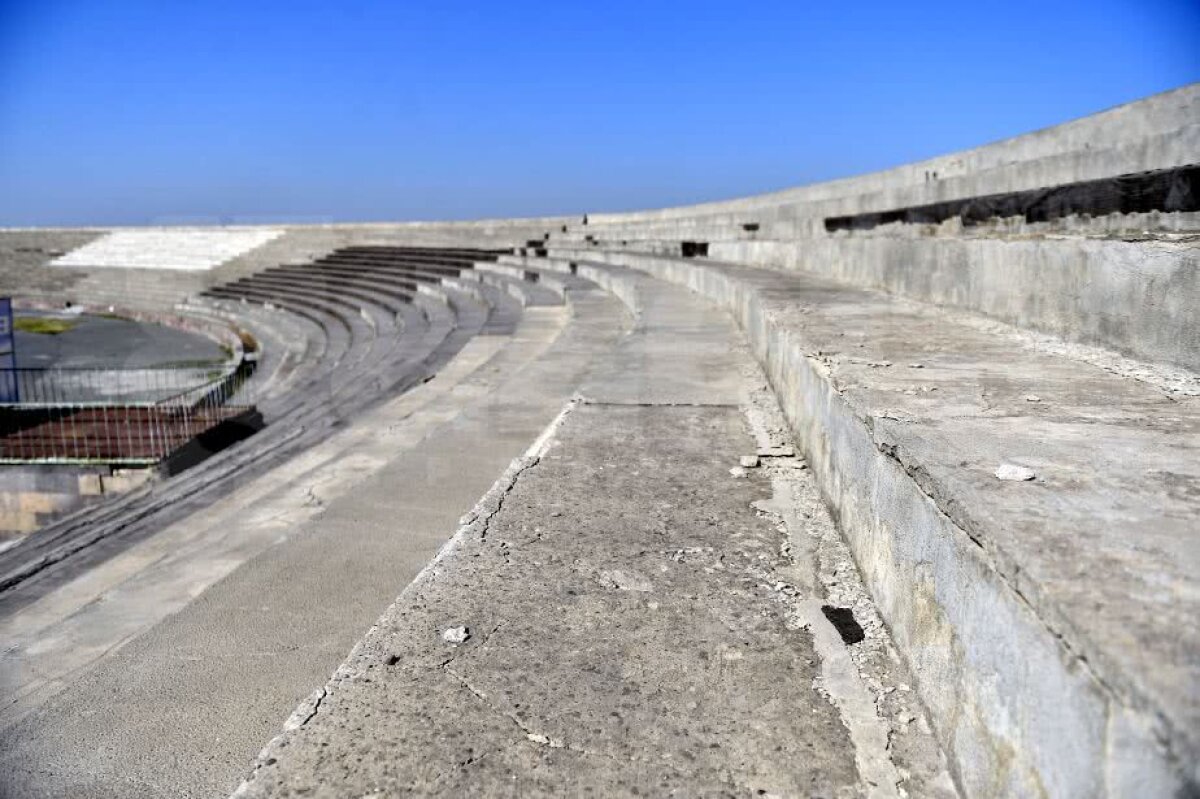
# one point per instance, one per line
(162, 671)
(629, 611)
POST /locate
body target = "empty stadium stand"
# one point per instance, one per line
(985, 362)
(339, 334)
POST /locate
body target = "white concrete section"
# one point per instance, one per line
(187, 249)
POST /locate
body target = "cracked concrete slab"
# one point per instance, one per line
(683, 675)
(631, 619)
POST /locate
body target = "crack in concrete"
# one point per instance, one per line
(665, 404)
(482, 525)
(530, 734)
(305, 713)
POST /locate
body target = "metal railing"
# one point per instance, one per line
(123, 416)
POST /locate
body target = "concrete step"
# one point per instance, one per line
(1016, 509)
(526, 288)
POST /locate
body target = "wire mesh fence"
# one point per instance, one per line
(130, 416)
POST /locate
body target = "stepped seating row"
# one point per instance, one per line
(379, 308)
(991, 584)
(337, 335)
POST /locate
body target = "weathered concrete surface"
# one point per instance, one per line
(32, 495)
(1138, 297)
(162, 671)
(25, 253)
(638, 618)
(1134, 290)
(1052, 623)
(616, 645)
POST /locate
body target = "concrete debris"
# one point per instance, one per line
(749, 461)
(776, 452)
(456, 635)
(1009, 471)
(738, 471)
(624, 581)
(1032, 398)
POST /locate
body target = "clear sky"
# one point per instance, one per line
(131, 112)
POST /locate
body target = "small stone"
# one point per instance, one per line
(456, 635)
(738, 471)
(916, 366)
(1009, 471)
(1032, 398)
(749, 461)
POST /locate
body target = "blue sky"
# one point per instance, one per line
(125, 112)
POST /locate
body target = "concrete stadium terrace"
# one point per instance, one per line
(874, 486)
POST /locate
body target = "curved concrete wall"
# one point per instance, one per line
(1126, 282)
(1154, 133)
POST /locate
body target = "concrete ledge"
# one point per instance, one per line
(1134, 297)
(991, 593)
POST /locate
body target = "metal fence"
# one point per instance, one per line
(126, 416)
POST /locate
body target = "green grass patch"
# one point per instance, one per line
(42, 325)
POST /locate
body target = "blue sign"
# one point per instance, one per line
(8, 354)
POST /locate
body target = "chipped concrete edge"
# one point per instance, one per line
(887, 724)
(474, 523)
(989, 659)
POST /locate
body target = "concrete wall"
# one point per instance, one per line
(1139, 298)
(1126, 282)
(32, 496)
(1153, 133)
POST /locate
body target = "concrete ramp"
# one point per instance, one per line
(177, 249)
